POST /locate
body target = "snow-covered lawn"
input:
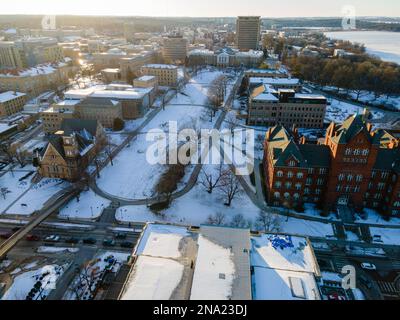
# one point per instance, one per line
(37, 196)
(339, 111)
(16, 188)
(24, 283)
(89, 206)
(197, 205)
(131, 176)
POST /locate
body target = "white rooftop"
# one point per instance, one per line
(10, 95)
(160, 66)
(284, 268)
(274, 81)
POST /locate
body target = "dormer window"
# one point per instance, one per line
(292, 163)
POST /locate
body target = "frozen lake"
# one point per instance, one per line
(384, 44)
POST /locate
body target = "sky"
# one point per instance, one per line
(202, 8)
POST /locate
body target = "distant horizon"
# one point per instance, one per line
(194, 17)
(205, 8)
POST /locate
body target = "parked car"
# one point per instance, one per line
(52, 238)
(6, 235)
(109, 242)
(126, 244)
(368, 266)
(72, 240)
(89, 241)
(120, 236)
(32, 237)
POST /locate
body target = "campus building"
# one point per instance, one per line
(175, 49)
(167, 74)
(248, 31)
(269, 107)
(11, 102)
(353, 166)
(70, 150)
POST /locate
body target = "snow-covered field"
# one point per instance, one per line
(132, 177)
(89, 206)
(197, 205)
(37, 196)
(16, 188)
(339, 111)
(373, 217)
(24, 282)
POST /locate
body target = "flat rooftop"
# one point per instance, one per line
(10, 95)
(160, 66)
(284, 268)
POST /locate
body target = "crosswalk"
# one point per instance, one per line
(388, 288)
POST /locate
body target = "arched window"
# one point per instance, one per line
(279, 174)
(277, 195)
(287, 195)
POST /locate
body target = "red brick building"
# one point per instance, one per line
(354, 166)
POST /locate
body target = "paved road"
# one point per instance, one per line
(52, 206)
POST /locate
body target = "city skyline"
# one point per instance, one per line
(180, 8)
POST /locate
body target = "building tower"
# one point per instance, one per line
(248, 33)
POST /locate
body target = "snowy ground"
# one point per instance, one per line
(89, 206)
(339, 111)
(37, 196)
(16, 188)
(132, 177)
(196, 206)
(24, 282)
(373, 217)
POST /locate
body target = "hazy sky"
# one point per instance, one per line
(202, 8)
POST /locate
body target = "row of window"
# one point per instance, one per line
(300, 175)
(356, 152)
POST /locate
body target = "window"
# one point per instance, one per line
(357, 152)
(279, 174)
(287, 196)
(365, 152)
(296, 196)
(292, 163)
(320, 182)
(381, 186)
(300, 175)
(356, 189)
(277, 195)
(359, 178)
(350, 178)
(397, 204)
(290, 174)
(338, 188)
(322, 171)
(384, 175)
(288, 185)
(348, 152)
(278, 185)
(306, 191)
(309, 182)
(311, 171)
(341, 177)
(298, 186)
(318, 191)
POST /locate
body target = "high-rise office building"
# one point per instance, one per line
(248, 33)
(175, 49)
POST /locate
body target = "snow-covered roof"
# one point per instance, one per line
(284, 268)
(275, 81)
(160, 66)
(5, 127)
(10, 95)
(129, 94)
(145, 78)
(160, 265)
(42, 69)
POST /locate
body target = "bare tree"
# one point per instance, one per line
(211, 180)
(268, 221)
(239, 221)
(4, 191)
(217, 219)
(6, 149)
(86, 281)
(168, 182)
(230, 187)
(18, 154)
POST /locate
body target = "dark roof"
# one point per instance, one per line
(283, 147)
(316, 155)
(98, 102)
(70, 126)
(351, 127)
(387, 160)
